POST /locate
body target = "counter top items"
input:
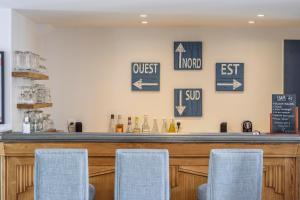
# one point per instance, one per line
(247, 126)
(223, 127)
(284, 117)
(36, 121)
(145, 126)
(120, 125)
(34, 94)
(29, 61)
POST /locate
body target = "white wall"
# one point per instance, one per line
(90, 74)
(5, 45)
(24, 38)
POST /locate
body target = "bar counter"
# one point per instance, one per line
(189, 155)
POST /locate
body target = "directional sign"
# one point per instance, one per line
(187, 55)
(145, 76)
(230, 76)
(188, 102)
(283, 113)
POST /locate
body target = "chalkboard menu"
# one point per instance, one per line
(283, 113)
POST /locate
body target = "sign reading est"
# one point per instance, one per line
(187, 55)
(230, 76)
(188, 102)
(145, 76)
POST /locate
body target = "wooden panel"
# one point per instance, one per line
(187, 169)
(34, 106)
(31, 75)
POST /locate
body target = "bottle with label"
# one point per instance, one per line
(136, 125)
(26, 124)
(172, 128)
(129, 126)
(155, 126)
(120, 125)
(164, 128)
(145, 126)
(112, 124)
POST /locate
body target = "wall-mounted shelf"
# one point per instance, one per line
(34, 106)
(30, 75)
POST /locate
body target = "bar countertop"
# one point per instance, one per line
(150, 138)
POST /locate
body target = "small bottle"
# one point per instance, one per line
(129, 126)
(172, 128)
(136, 125)
(178, 126)
(112, 124)
(164, 128)
(120, 125)
(26, 125)
(145, 126)
(155, 126)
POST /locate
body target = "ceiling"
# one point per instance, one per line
(162, 13)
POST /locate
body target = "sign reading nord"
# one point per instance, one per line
(230, 76)
(145, 76)
(187, 55)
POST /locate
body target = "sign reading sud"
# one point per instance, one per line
(230, 76)
(188, 102)
(187, 55)
(145, 76)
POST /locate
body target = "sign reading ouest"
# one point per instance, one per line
(145, 76)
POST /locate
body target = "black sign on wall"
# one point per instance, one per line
(283, 113)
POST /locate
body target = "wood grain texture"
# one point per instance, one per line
(30, 75)
(188, 167)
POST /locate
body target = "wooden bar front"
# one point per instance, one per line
(188, 167)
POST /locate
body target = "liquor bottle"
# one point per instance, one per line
(26, 125)
(172, 128)
(112, 124)
(155, 126)
(178, 126)
(164, 128)
(136, 128)
(145, 126)
(120, 125)
(129, 126)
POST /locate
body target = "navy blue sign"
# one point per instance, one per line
(283, 113)
(145, 76)
(230, 76)
(188, 102)
(187, 55)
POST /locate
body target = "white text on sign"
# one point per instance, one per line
(192, 95)
(229, 69)
(191, 63)
(145, 68)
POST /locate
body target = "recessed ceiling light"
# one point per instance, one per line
(260, 15)
(143, 15)
(251, 22)
(144, 22)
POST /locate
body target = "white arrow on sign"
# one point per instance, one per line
(139, 84)
(180, 49)
(235, 84)
(180, 108)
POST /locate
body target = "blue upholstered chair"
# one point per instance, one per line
(233, 175)
(62, 174)
(142, 174)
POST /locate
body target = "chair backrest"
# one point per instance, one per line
(235, 174)
(142, 174)
(61, 174)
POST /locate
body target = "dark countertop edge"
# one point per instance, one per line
(149, 138)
